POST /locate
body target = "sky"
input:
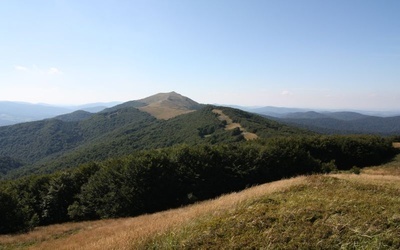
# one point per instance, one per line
(339, 54)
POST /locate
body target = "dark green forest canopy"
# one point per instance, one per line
(153, 180)
(51, 145)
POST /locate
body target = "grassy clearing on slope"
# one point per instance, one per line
(230, 125)
(324, 212)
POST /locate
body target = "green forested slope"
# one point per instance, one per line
(41, 141)
(50, 145)
(123, 131)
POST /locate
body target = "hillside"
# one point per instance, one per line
(69, 140)
(321, 211)
(78, 115)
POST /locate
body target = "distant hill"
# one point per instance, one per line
(282, 112)
(17, 112)
(277, 111)
(79, 137)
(343, 123)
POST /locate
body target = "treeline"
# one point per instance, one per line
(153, 180)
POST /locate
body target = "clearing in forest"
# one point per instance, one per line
(230, 125)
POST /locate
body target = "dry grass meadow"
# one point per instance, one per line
(322, 211)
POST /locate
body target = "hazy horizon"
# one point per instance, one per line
(338, 55)
(250, 107)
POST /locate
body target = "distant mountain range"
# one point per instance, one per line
(283, 112)
(341, 122)
(17, 112)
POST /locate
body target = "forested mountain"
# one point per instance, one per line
(73, 139)
(78, 115)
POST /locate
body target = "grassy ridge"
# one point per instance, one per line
(320, 211)
(323, 212)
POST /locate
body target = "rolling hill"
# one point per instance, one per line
(158, 121)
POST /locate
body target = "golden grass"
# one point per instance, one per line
(164, 112)
(249, 136)
(344, 211)
(396, 144)
(130, 233)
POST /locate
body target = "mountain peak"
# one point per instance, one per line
(161, 97)
(168, 105)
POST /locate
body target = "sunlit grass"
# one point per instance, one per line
(323, 212)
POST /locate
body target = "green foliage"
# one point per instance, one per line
(63, 189)
(7, 164)
(11, 216)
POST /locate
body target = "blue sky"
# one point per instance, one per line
(308, 54)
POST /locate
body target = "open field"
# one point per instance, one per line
(322, 211)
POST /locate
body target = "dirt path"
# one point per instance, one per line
(230, 125)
